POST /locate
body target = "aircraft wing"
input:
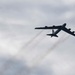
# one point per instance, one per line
(46, 27)
(68, 31)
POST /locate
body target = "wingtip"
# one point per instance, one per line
(36, 28)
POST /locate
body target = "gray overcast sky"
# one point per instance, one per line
(44, 55)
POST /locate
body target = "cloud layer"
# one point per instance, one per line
(18, 18)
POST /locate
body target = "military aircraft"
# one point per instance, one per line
(59, 28)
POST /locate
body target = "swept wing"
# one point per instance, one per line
(69, 31)
(46, 27)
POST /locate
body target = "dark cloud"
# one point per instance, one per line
(18, 67)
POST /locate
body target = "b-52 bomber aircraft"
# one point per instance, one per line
(59, 28)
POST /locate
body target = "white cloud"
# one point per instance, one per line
(18, 18)
(69, 2)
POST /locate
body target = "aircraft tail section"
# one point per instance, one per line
(52, 35)
(64, 24)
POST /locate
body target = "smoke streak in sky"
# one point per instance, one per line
(61, 40)
(7, 64)
(36, 61)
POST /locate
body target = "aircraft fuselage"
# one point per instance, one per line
(59, 28)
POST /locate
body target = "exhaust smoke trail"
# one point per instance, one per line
(35, 45)
(37, 42)
(43, 56)
(61, 40)
(30, 41)
(25, 46)
(7, 64)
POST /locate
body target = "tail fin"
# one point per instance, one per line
(64, 24)
(52, 35)
(52, 31)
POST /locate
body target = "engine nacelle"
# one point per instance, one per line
(53, 25)
(69, 29)
(73, 32)
(45, 26)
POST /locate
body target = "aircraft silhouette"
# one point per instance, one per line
(59, 28)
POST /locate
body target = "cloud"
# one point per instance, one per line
(19, 67)
(18, 18)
